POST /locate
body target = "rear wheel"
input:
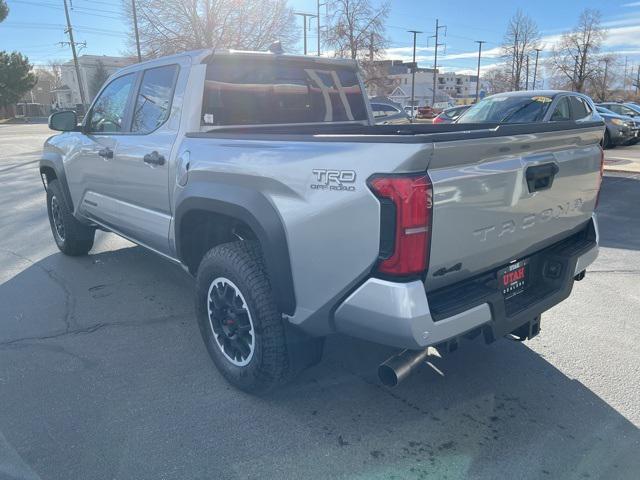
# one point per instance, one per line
(71, 236)
(244, 332)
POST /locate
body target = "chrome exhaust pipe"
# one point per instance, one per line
(395, 369)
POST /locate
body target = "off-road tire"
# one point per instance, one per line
(270, 364)
(71, 236)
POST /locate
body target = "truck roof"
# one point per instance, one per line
(203, 55)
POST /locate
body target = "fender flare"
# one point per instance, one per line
(255, 210)
(56, 165)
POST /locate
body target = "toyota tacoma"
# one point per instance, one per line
(265, 177)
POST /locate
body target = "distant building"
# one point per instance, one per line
(450, 87)
(67, 95)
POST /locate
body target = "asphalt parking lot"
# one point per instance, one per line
(103, 374)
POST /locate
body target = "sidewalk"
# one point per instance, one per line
(622, 159)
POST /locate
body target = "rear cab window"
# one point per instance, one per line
(257, 91)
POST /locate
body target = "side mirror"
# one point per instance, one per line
(66, 121)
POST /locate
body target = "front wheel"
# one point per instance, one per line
(71, 236)
(606, 141)
(240, 323)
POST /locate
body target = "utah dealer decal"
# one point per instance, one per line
(334, 180)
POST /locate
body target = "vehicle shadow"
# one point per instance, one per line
(496, 411)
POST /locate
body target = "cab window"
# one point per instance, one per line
(579, 108)
(109, 110)
(562, 112)
(153, 102)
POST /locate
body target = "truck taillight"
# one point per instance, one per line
(408, 202)
(601, 175)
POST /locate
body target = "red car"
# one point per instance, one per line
(450, 115)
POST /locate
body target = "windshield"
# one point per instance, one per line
(507, 109)
(606, 111)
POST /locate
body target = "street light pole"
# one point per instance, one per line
(304, 16)
(479, 42)
(535, 68)
(413, 73)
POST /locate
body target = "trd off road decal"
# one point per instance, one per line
(334, 180)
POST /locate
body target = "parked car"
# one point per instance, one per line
(620, 129)
(628, 109)
(427, 112)
(450, 115)
(532, 106)
(411, 111)
(384, 113)
(299, 217)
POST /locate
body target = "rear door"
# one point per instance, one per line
(142, 163)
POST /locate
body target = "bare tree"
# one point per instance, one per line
(575, 56)
(55, 69)
(356, 29)
(170, 26)
(519, 42)
(496, 80)
(603, 77)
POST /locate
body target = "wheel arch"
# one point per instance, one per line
(230, 206)
(52, 169)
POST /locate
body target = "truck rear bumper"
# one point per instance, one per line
(401, 314)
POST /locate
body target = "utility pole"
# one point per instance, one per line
(513, 64)
(526, 82)
(318, 18)
(135, 28)
(479, 42)
(535, 68)
(413, 73)
(75, 55)
(638, 80)
(435, 58)
(624, 80)
(604, 79)
(304, 16)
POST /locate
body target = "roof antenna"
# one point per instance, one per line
(276, 47)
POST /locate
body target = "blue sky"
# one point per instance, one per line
(35, 27)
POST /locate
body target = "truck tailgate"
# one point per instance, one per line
(486, 214)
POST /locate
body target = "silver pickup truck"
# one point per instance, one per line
(265, 177)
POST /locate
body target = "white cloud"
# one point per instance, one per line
(632, 4)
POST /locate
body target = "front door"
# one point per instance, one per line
(91, 177)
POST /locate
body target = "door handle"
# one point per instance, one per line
(540, 177)
(154, 158)
(106, 153)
